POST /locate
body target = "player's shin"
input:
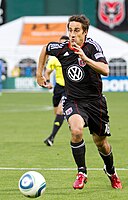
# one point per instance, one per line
(78, 151)
(108, 161)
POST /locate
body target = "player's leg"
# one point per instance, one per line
(99, 128)
(106, 154)
(59, 117)
(105, 151)
(76, 124)
(58, 121)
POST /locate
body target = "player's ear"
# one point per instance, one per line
(86, 32)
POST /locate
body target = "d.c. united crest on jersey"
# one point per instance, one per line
(81, 62)
(111, 13)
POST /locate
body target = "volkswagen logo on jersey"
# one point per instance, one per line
(75, 73)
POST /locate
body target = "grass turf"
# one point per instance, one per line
(26, 120)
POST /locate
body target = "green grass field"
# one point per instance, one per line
(26, 120)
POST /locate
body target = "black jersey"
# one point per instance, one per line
(81, 81)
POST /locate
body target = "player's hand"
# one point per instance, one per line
(41, 80)
(49, 85)
(80, 52)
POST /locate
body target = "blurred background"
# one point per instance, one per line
(26, 25)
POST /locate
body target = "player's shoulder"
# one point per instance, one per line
(90, 41)
(56, 45)
(93, 44)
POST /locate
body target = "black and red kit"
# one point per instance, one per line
(83, 85)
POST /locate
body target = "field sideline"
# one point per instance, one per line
(26, 120)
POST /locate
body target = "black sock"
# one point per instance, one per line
(78, 151)
(57, 124)
(108, 161)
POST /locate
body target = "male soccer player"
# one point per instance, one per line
(58, 93)
(83, 63)
(1, 77)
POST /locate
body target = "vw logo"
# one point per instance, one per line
(75, 73)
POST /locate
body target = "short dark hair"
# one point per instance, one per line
(64, 37)
(80, 18)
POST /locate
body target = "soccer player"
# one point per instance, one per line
(83, 63)
(1, 77)
(58, 93)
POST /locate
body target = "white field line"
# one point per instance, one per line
(55, 169)
(26, 109)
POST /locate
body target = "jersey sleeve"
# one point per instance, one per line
(53, 48)
(97, 52)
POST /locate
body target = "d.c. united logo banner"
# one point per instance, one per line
(112, 15)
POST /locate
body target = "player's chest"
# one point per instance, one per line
(75, 69)
(68, 58)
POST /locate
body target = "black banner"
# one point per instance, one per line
(112, 15)
(2, 11)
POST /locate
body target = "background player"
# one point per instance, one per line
(58, 92)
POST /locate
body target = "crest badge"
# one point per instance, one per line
(111, 13)
(81, 62)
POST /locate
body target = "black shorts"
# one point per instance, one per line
(93, 112)
(58, 93)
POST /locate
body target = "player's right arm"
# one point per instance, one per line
(41, 80)
(52, 49)
(47, 76)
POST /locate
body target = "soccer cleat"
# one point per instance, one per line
(48, 142)
(81, 179)
(115, 181)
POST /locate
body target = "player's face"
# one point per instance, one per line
(76, 33)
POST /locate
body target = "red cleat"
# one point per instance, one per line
(115, 181)
(81, 179)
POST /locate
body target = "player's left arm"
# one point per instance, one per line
(98, 66)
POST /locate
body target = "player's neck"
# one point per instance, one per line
(72, 47)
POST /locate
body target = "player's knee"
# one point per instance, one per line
(103, 146)
(77, 133)
(59, 112)
(99, 144)
(76, 130)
